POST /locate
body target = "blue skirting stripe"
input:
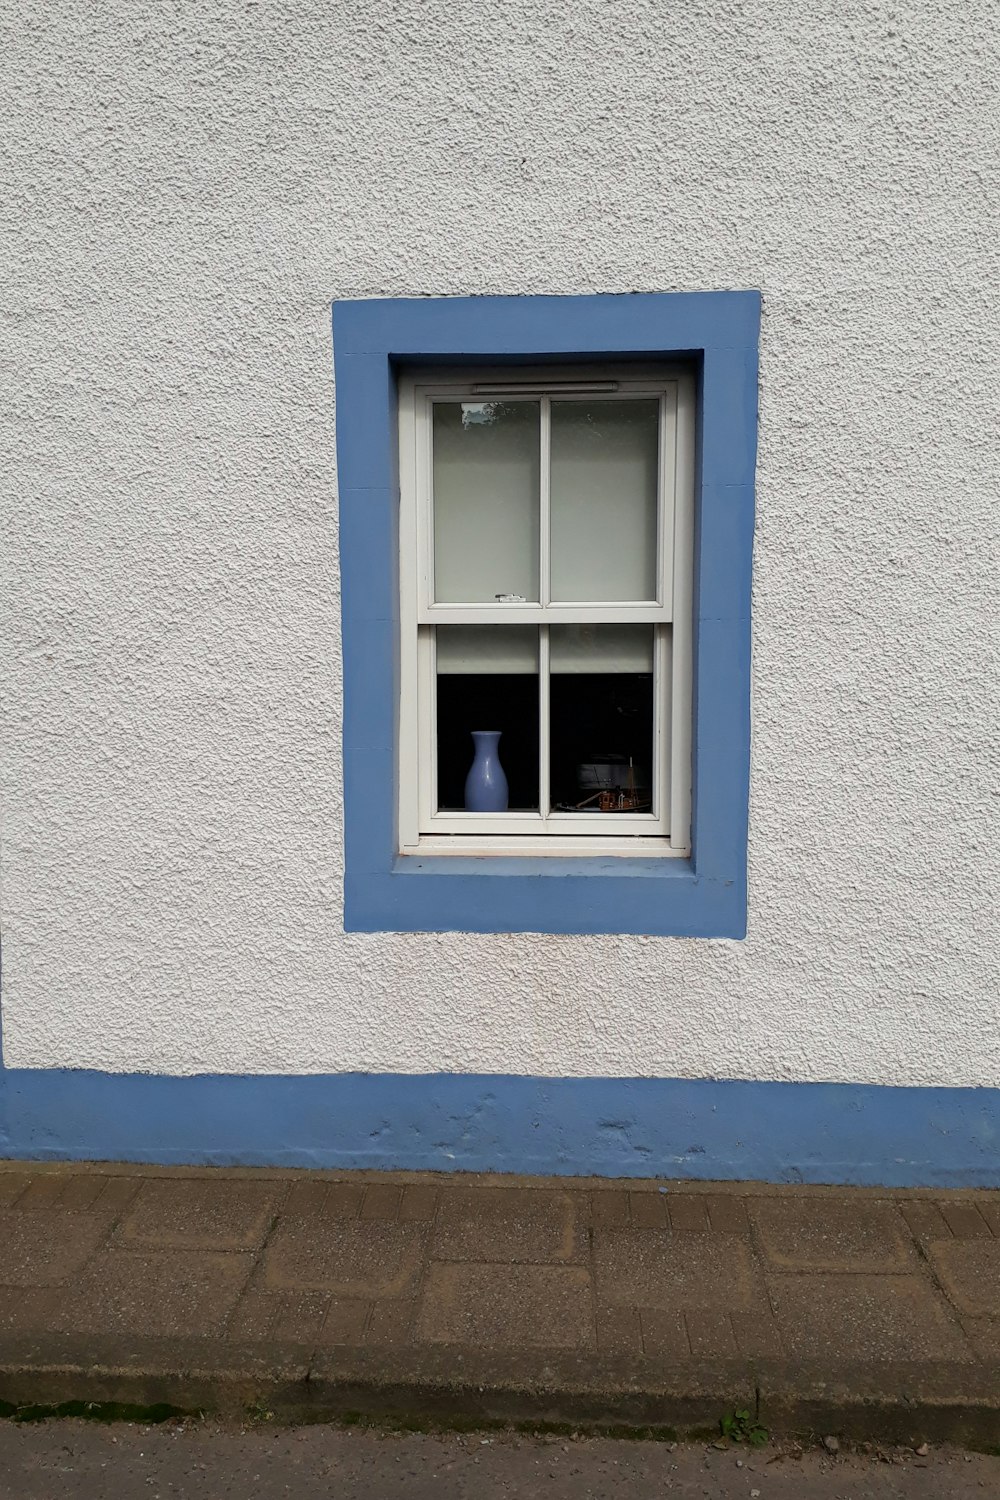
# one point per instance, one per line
(628, 1127)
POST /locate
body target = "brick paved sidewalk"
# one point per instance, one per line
(862, 1311)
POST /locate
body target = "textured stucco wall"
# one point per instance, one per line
(192, 184)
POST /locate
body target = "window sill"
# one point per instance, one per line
(571, 896)
(585, 866)
(572, 848)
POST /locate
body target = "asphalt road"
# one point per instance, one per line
(53, 1460)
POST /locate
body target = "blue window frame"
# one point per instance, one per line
(701, 896)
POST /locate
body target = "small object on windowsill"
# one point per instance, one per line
(604, 772)
(616, 799)
(612, 797)
(510, 598)
(486, 783)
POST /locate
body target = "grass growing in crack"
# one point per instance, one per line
(95, 1411)
(740, 1427)
(258, 1413)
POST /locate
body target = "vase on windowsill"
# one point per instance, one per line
(486, 784)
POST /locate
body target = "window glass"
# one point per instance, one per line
(486, 500)
(601, 735)
(603, 499)
(487, 679)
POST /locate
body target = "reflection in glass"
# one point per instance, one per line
(603, 499)
(487, 678)
(486, 499)
(601, 704)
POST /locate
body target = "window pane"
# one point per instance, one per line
(603, 499)
(485, 477)
(601, 698)
(487, 679)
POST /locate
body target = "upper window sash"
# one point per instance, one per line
(418, 403)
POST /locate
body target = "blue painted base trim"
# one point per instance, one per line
(628, 1127)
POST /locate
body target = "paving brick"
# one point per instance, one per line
(925, 1220)
(833, 1234)
(862, 1318)
(301, 1316)
(32, 1309)
(507, 1307)
(756, 1333)
(306, 1198)
(675, 1272)
(609, 1210)
(648, 1210)
(391, 1323)
(47, 1251)
(346, 1257)
(664, 1334)
(418, 1205)
(200, 1213)
(344, 1199)
(81, 1192)
(117, 1194)
(173, 1293)
(619, 1330)
(965, 1221)
(12, 1185)
(687, 1213)
(990, 1210)
(381, 1202)
(345, 1321)
(727, 1215)
(710, 1334)
(969, 1271)
(252, 1318)
(984, 1335)
(507, 1225)
(42, 1192)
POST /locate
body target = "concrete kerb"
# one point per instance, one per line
(902, 1403)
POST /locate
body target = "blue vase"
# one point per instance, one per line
(486, 784)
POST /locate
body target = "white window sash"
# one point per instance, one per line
(665, 830)
(423, 397)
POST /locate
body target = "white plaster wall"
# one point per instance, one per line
(190, 183)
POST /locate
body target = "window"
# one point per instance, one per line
(545, 585)
(477, 441)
